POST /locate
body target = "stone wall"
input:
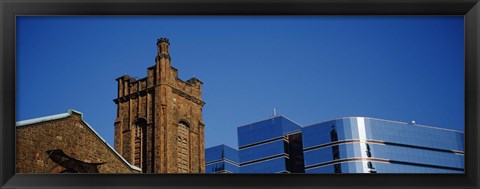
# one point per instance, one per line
(70, 134)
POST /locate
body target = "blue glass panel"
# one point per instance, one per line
(220, 152)
(317, 134)
(271, 166)
(418, 135)
(231, 154)
(259, 131)
(289, 126)
(265, 130)
(399, 168)
(324, 169)
(379, 167)
(221, 167)
(262, 151)
(213, 153)
(415, 157)
(318, 156)
(323, 155)
(231, 168)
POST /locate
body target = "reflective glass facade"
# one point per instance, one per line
(346, 145)
(270, 146)
(368, 145)
(221, 159)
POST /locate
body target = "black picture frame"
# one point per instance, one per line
(11, 8)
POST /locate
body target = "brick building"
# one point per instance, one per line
(68, 132)
(159, 125)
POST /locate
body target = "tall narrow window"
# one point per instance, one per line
(183, 151)
(140, 153)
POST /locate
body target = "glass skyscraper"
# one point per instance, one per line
(345, 145)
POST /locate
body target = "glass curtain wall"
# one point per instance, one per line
(368, 145)
(270, 146)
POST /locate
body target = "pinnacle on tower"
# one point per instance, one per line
(163, 45)
(163, 39)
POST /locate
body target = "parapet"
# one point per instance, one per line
(194, 81)
(163, 39)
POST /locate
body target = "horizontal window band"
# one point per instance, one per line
(264, 159)
(382, 161)
(424, 148)
(381, 143)
(341, 142)
(222, 160)
(425, 165)
(263, 142)
(345, 160)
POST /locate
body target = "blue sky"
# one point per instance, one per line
(309, 68)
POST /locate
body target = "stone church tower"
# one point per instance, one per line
(159, 125)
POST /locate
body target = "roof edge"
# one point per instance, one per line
(277, 116)
(400, 122)
(221, 145)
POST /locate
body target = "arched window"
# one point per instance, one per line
(140, 150)
(183, 147)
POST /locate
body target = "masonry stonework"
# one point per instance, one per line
(159, 125)
(70, 134)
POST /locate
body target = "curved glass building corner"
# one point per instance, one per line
(369, 145)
